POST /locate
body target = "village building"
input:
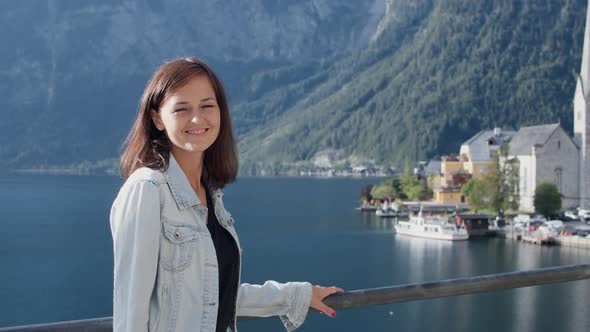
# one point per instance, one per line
(545, 153)
(477, 157)
(432, 168)
(482, 149)
(450, 181)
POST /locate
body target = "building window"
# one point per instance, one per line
(558, 178)
(558, 145)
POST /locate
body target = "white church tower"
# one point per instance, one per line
(582, 117)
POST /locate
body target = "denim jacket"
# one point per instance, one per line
(165, 265)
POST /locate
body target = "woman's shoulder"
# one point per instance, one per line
(143, 182)
(146, 174)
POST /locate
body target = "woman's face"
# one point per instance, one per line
(190, 116)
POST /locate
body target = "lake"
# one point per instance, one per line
(56, 257)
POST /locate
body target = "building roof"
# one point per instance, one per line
(432, 168)
(527, 137)
(450, 158)
(479, 144)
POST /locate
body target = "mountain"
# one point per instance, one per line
(351, 82)
(72, 72)
(437, 73)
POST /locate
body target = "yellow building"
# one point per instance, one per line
(475, 160)
(447, 186)
(451, 164)
(479, 168)
(449, 197)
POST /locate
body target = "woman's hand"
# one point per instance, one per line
(318, 294)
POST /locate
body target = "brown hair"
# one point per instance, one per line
(147, 146)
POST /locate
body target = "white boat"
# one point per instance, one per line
(431, 228)
(386, 213)
(387, 210)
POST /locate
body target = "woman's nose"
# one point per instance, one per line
(196, 117)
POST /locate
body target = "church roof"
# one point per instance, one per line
(522, 143)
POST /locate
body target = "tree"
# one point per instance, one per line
(512, 182)
(408, 169)
(366, 192)
(547, 199)
(498, 188)
(383, 191)
(416, 192)
(390, 188)
(479, 192)
(506, 180)
(410, 186)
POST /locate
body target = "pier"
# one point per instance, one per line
(532, 237)
(573, 241)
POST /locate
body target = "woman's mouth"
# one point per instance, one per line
(197, 131)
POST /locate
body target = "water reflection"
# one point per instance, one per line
(523, 310)
(374, 223)
(418, 251)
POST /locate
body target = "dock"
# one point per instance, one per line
(560, 240)
(573, 241)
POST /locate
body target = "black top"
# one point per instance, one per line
(228, 262)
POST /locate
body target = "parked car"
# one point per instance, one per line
(565, 216)
(554, 223)
(570, 216)
(584, 213)
(521, 219)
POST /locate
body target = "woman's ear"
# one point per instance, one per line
(157, 120)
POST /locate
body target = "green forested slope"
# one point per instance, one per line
(439, 72)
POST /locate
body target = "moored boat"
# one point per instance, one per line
(389, 213)
(432, 228)
(390, 210)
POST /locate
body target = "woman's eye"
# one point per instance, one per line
(208, 106)
(180, 110)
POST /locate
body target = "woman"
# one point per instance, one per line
(177, 255)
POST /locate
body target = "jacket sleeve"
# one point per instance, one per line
(290, 301)
(135, 226)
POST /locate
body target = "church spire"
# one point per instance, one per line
(582, 117)
(585, 71)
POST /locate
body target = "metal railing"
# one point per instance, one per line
(379, 296)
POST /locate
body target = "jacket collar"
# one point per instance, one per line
(181, 188)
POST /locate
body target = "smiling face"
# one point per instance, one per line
(190, 116)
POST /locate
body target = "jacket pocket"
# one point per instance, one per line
(177, 246)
